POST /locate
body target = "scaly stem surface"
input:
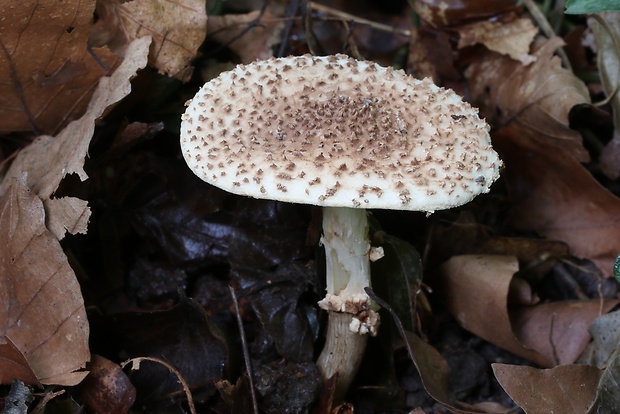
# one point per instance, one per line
(345, 237)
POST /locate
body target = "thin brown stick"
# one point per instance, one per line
(246, 353)
(135, 365)
(46, 398)
(546, 28)
(359, 20)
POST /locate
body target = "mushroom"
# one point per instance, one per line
(346, 135)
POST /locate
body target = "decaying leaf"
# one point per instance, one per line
(178, 28)
(47, 75)
(251, 36)
(566, 389)
(512, 38)
(476, 288)
(609, 67)
(49, 159)
(605, 331)
(555, 196)
(536, 98)
(41, 305)
(558, 330)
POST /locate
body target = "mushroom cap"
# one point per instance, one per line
(334, 131)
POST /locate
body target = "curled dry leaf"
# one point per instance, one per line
(42, 309)
(558, 330)
(475, 289)
(251, 36)
(548, 334)
(605, 331)
(512, 38)
(536, 99)
(555, 196)
(178, 28)
(49, 159)
(566, 389)
(47, 75)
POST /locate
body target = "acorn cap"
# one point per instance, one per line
(335, 131)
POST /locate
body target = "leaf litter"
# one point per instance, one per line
(518, 276)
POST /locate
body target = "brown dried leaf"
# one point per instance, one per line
(609, 67)
(49, 159)
(536, 99)
(548, 334)
(555, 196)
(47, 75)
(41, 304)
(440, 13)
(558, 330)
(567, 389)
(255, 43)
(178, 28)
(475, 289)
(512, 38)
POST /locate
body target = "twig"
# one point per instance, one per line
(355, 19)
(244, 345)
(546, 28)
(46, 398)
(135, 365)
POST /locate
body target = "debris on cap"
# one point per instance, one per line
(335, 131)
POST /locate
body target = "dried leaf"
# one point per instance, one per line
(251, 36)
(512, 38)
(605, 331)
(440, 13)
(67, 214)
(47, 75)
(567, 389)
(178, 29)
(49, 159)
(609, 67)
(535, 99)
(475, 289)
(42, 308)
(558, 330)
(548, 334)
(555, 196)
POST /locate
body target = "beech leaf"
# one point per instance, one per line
(567, 389)
(42, 309)
(536, 98)
(47, 75)
(178, 28)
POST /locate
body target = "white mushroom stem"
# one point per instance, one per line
(345, 237)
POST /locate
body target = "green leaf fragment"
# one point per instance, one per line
(591, 6)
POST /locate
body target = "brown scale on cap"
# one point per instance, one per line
(334, 131)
